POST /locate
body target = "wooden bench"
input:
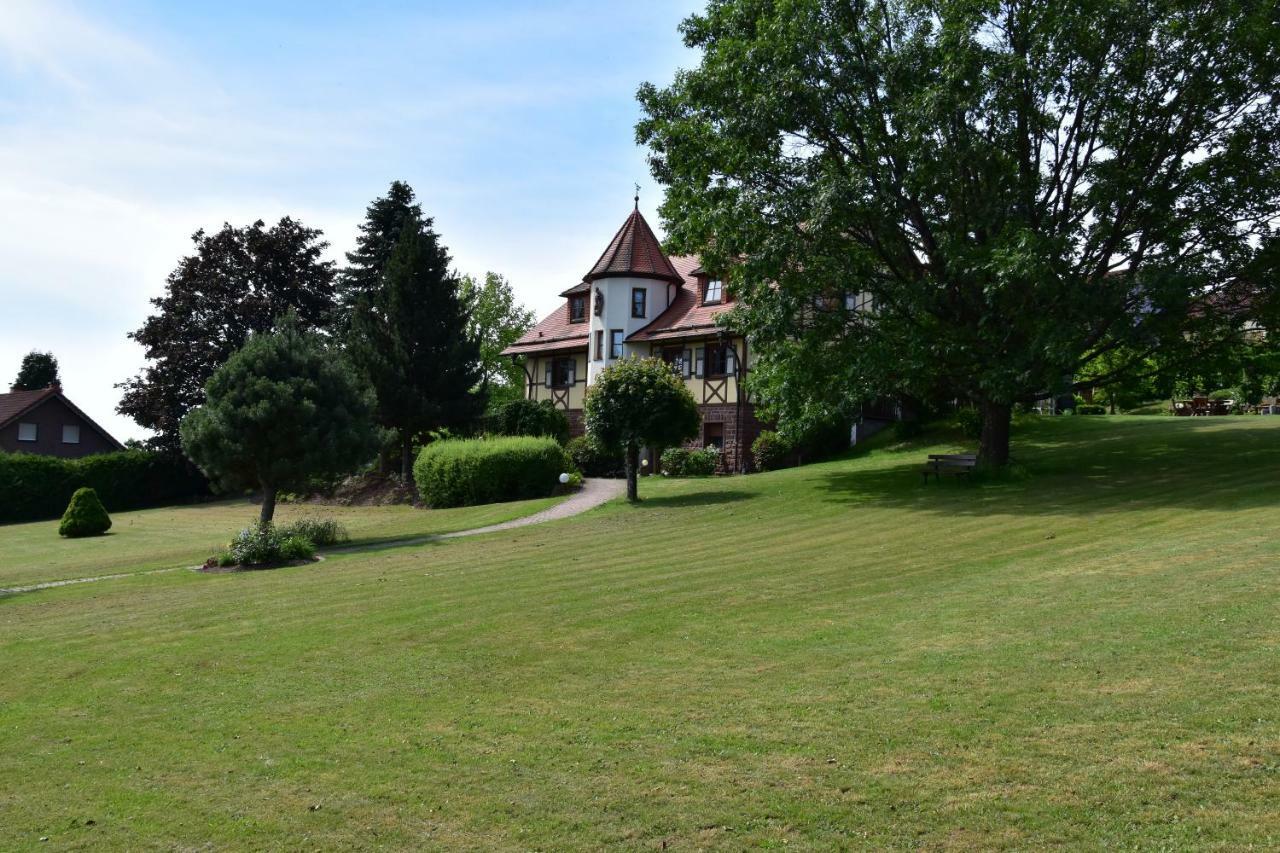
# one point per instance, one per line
(950, 464)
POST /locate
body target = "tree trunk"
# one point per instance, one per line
(633, 463)
(268, 511)
(994, 449)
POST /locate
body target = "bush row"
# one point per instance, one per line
(38, 487)
(682, 462)
(463, 472)
(593, 459)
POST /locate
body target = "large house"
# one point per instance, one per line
(636, 301)
(46, 423)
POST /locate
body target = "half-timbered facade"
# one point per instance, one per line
(637, 301)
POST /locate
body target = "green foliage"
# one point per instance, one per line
(321, 532)
(409, 338)
(238, 282)
(1091, 409)
(85, 516)
(464, 472)
(637, 402)
(380, 232)
(593, 459)
(282, 410)
(531, 417)
(976, 172)
(263, 544)
(37, 487)
(969, 421)
(682, 462)
(38, 370)
(575, 481)
(495, 320)
(770, 451)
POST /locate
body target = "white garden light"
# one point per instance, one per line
(564, 478)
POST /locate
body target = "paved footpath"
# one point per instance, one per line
(591, 495)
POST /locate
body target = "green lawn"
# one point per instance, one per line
(828, 657)
(184, 536)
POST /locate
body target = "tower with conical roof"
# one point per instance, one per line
(632, 283)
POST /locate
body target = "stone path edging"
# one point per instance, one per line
(593, 494)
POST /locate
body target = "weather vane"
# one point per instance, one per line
(637, 196)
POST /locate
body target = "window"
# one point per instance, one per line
(577, 309)
(678, 358)
(639, 302)
(599, 344)
(27, 432)
(714, 292)
(615, 343)
(719, 360)
(70, 434)
(561, 372)
(713, 435)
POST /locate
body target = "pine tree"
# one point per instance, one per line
(409, 337)
(384, 221)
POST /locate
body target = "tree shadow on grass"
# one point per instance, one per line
(698, 499)
(1085, 472)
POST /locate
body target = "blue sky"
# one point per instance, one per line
(126, 125)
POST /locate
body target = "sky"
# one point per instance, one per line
(125, 126)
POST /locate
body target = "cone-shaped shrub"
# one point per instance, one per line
(85, 515)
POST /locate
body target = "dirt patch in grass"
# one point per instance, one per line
(211, 566)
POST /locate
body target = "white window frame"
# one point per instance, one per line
(707, 298)
(76, 428)
(28, 432)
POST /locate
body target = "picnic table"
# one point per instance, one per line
(949, 464)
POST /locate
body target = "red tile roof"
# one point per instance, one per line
(686, 316)
(634, 251)
(555, 332)
(17, 403)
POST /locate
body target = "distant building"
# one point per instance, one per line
(636, 301)
(46, 423)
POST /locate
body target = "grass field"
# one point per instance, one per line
(832, 656)
(185, 535)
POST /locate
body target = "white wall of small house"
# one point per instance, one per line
(617, 315)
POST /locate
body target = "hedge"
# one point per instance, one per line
(463, 472)
(593, 459)
(531, 417)
(34, 488)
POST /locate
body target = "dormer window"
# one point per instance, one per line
(713, 292)
(578, 308)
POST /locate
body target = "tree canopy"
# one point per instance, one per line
(237, 282)
(408, 336)
(495, 321)
(380, 232)
(285, 408)
(38, 370)
(636, 402)
(969, 199)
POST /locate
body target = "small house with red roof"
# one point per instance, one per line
(46, 423)
(637, 301)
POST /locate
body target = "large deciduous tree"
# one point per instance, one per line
(285, 408)
(495, 321)
(408, 336)
(237, 282)
(637, 402)
(1015, 188)
(38, 370)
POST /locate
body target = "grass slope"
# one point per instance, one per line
(175, 536)
(831, 656)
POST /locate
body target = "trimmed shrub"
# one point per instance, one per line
(85, 516)
(770, 451)
(263, 544)
(531, 417)
(38, 487)
(682, 462)
(464, 472)
(593, 459)
(321, 532)
(1090, 409)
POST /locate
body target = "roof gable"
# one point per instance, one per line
(15, 404)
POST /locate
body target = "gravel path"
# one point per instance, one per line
(592, 494)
